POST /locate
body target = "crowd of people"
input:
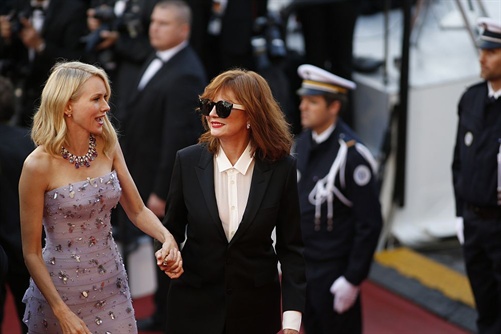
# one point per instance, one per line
(166, 110)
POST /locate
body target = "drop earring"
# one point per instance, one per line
(248, 126)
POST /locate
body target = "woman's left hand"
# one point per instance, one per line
(169, 259)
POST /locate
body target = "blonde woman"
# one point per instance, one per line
(68, 186)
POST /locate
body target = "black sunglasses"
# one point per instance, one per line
(223, 108)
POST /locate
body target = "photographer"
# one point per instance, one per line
(272, 60)
(33, 35)
(118, 41)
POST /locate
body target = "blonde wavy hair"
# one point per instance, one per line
(270, 134)
(64, 85)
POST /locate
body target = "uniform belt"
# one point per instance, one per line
(486, 212)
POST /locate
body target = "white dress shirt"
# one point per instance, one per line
(321, 137)
(161, 58)
(232, 186)
(37, 20)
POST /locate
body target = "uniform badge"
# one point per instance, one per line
(362, 175)
(468, 138)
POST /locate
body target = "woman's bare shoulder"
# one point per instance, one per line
(38, 163)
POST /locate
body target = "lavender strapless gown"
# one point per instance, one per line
(83, 260)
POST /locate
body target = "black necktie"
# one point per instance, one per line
(38, 7)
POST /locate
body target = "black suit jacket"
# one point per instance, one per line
(161, 119)
(234, 285)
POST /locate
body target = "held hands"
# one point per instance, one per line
(169, 259)
(459, 227)
(345, 294)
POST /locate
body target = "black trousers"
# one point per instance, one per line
(482, 254)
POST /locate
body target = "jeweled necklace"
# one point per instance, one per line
(83, 160)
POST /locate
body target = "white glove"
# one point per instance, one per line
(459, 226)
(345, 294)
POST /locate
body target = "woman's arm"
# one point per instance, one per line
(32, 186)
(169, 256)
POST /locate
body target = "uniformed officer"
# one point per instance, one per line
(340, 209)
(476, 170)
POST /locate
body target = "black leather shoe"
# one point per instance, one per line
(148, 324)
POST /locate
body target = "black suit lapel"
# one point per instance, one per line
(136, 92)
(260, 180)
(168, 65)
(205, 174)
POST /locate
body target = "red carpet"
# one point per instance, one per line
(384, 313)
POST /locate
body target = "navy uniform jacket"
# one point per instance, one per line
(351, 242)
(474, 167)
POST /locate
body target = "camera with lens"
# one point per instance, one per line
(267, 43)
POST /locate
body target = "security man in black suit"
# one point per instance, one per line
(476, 171)
(340, 210)
(160, 118)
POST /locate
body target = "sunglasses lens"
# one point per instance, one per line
(223, 108)
(206, 107)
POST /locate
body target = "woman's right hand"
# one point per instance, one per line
(71, 324)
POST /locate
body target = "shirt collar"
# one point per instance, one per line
(320, 138)
(242, 164)
(492, 93)
(166, 55)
